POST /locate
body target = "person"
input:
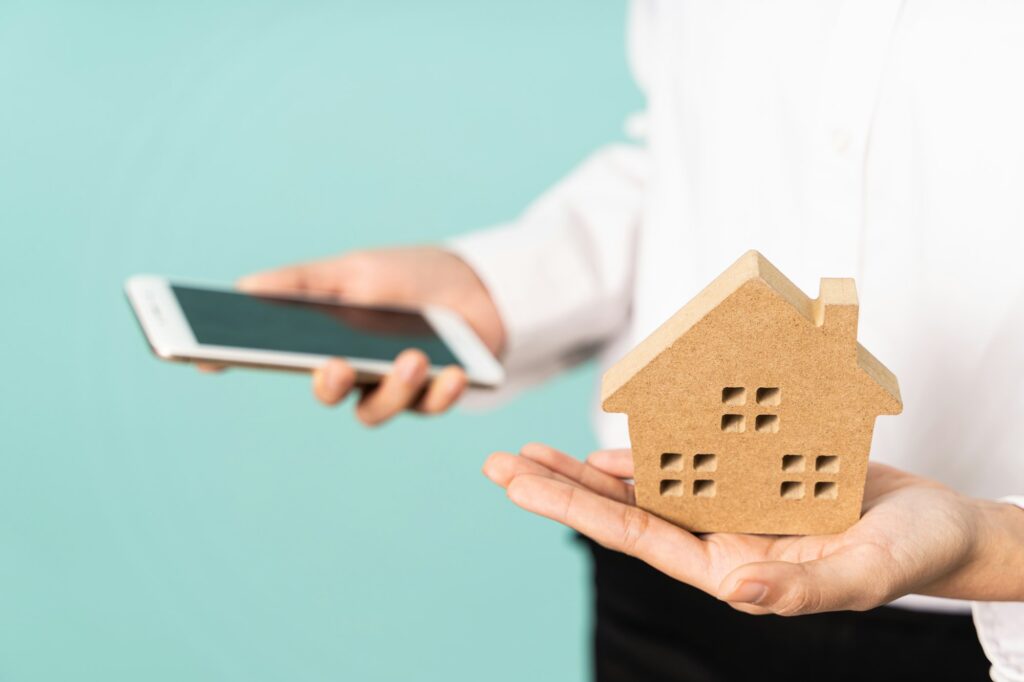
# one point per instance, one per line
(878, 139)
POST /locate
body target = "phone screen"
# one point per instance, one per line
(224, 318)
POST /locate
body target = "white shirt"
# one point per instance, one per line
(876, 139)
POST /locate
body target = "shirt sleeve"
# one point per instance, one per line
(1000, 627)
(561, 275)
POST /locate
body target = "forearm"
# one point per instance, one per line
(994, 569)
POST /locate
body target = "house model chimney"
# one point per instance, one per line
(836, 307)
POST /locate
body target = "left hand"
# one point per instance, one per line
(915, 535)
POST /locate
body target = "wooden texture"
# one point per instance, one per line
(751, 409)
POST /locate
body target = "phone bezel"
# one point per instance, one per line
(170, 336)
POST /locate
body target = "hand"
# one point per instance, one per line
(401, 276)
(915, 536)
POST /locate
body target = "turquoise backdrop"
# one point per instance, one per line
(156, 524)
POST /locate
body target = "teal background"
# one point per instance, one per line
(156, 524)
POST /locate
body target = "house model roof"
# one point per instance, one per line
(838, 299)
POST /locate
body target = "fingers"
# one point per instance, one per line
(853, 578)
(543, 460)
(210, 367)
(333, 381)
(617, 463)
(621, 527)
(398, 390)
(502, 467)
(443, 391)
(575, 470)
(401, 389)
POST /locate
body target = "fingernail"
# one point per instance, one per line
(452, 388)
(409, 370)
(332, 380)
(748, 592)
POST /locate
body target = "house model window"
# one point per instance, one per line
(764, 422)
(751, 409)
(698, 478)
(825, 487)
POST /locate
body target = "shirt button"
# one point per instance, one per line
(841, 139)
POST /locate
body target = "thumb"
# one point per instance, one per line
(618, 463)
(851, 579)
(280, 281)
(322, 277)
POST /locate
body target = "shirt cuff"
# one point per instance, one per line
(531, 301)
(1000, 627)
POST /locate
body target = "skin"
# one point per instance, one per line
(915, 536)
(409, 276)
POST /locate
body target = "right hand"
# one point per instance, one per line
(412, 276)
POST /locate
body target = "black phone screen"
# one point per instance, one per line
(226, 318)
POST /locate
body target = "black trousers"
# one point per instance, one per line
(650, 628)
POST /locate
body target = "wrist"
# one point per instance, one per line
(477, 305)
(1005, 522)
(995, 560)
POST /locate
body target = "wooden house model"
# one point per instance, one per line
(751, 410)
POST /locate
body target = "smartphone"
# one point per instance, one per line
(187, 322)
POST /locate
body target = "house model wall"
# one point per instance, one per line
(751, 410)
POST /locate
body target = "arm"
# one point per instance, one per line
(534, 291)
(915, 536)
(561, 275)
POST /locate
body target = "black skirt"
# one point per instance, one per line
(650, 628)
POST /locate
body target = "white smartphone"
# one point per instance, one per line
(198, 323)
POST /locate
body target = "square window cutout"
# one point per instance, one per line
(826, 490)
(734, 395)
(705, 462)
(792, 462)
(769, 396)
(704, 488)
(827, 463)
(766, 423)
(791, 490)
(671, 461)
(733, 423)
(671, 488)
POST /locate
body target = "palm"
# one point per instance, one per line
(869, 559)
